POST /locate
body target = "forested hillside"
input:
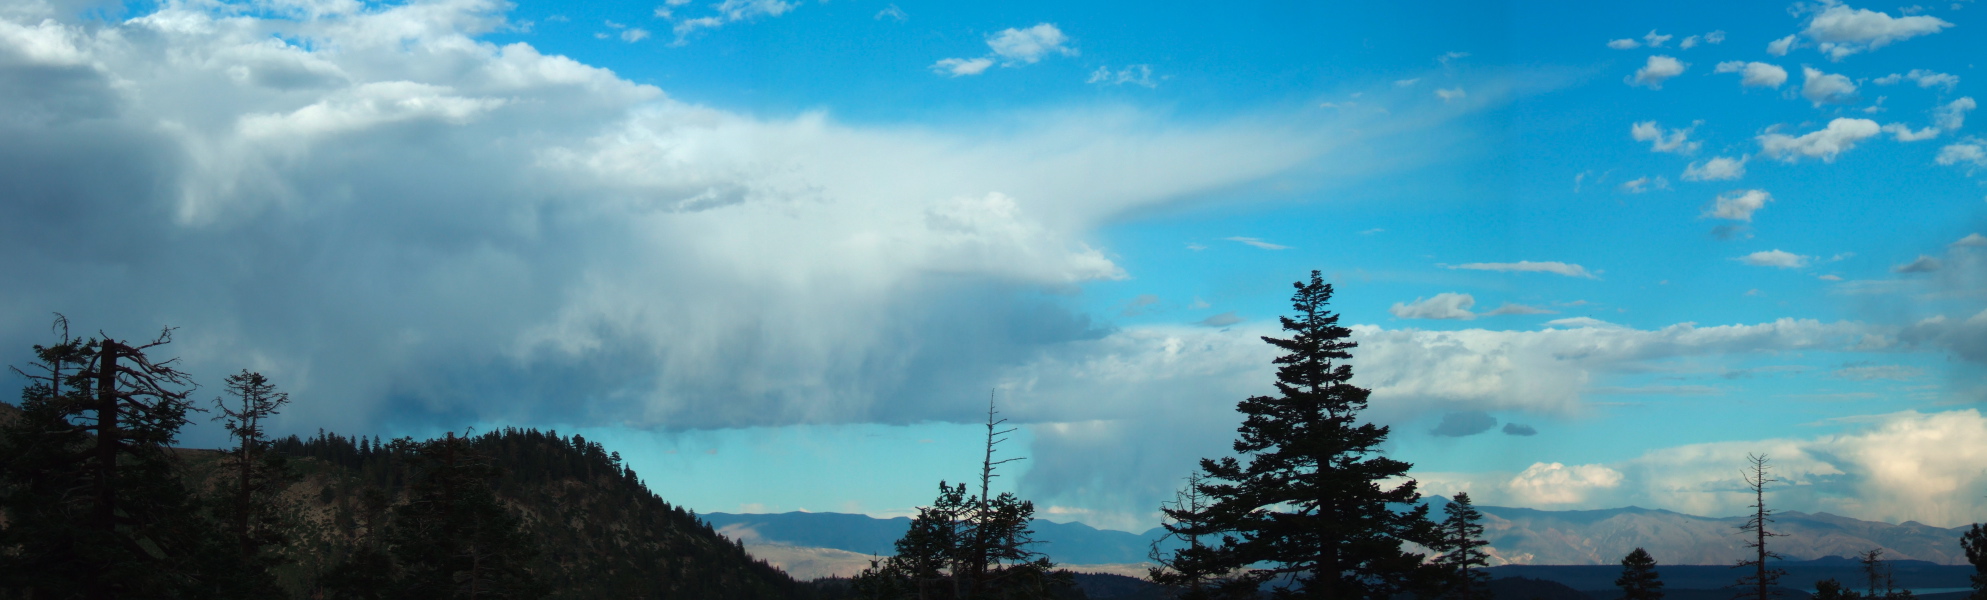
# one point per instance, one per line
(588, 526)
(598, 532)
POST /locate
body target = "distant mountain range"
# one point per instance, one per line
(1517, 536)
(1070, 543)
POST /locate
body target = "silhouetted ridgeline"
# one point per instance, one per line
(599, 533)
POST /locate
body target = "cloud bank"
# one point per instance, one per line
(401, 223)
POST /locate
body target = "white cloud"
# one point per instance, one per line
(1447, 305)
(1952, 115)
(1843, 31)
(1972, 240)
(1526, 266)
(1824, 88)
(1028, 46)
(1547, 484)
(1447, 57)
(1715, 37)
(1140, 75)
(1676, 141)
(727, 12)
(1688, 43)
(1407, 82)
(1719, 168)
(634, 34)
(1922, 77)
(474, 212)
(1451, 305)
(1643, 184)
(1449, 94)
(1923, 264)
(1548, 370)
(1582, 323)
(1904, 133)
(1021, 47)
(1624, 44)
(961, 67)
(1754, 74)
(1258, 243)
(1839, 136)
(1906, 466)
(1775, 258)
(1738, 205)
(1966, 153)
(1654, 40)
(893, 13)
(1780, 46)
(1658, 69)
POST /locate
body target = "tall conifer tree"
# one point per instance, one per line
(1194, 567)
(1312, 507)
(1639, 580)
(1974, 542)
(1459, 539)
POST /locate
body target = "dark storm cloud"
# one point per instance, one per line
(1461, 424)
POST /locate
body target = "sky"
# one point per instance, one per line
(781, 254)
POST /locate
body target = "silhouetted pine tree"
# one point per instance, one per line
(1764, 577)
(1830, 589)
(927, 555)
(965, 546)
(1459, 539)
(1881, 576)
(259, 475)
(95, 503)
(1194, 569)
(1310, 511)
(1974, 542)
(1639, 580)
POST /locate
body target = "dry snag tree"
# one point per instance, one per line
(967, 546)
(1763, 577)
(259, 473)
(96, 508)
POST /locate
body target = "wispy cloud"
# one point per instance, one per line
(1775, 258)
(1526, 266)
(1013, 47)
(1258, 243)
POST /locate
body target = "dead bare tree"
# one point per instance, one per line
(1763, 577)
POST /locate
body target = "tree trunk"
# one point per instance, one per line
(107, 436)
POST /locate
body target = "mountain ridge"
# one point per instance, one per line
(1517, 536)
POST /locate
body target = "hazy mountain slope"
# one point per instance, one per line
(1066, 543)
(1528, 536)
(1517, 536)
(1910, 574)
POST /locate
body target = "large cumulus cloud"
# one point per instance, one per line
(1897, 467)
(397, 220)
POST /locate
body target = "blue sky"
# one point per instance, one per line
(777, 253)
